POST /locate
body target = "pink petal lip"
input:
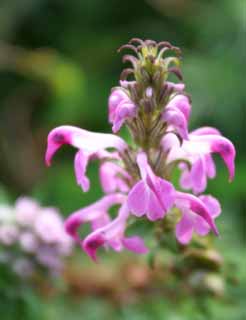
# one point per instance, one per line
(81, 139)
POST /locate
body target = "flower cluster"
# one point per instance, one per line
(32, 238)
(137, 177)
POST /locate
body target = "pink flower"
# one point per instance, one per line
(151, 195)
(191, 222)
(8, 234)
(49, 226)
(28, 242)
(120, 109)
(90, 144)
(198, 151)
(113, 178)
(112, 235)
(26, 211)
(96, 214)
(176, 114)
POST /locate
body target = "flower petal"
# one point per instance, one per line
(135, 244)
(212, 204)
(91, 213)
(80, 164)
(176, 118)
(123, 111)
(138, 199)
(198, 176)
(81, 139)
(184, 229)
(196, 206)
(113, 177)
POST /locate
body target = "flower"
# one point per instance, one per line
(113, 177)
(198, 150)
(176, 114)
(137, 176)
(191, 222)
(120, 109)
(96, 214)
(195, 210)
(113, 236)
(35, 235)
(156, 194)
(90, 144)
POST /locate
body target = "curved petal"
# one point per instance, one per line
(182, 103)
(124, 110)
(92, 213)
(111, 234)
(212, 204)
(196, 206)
(174, 117)
(81, 139)
(115, 98)
(205, 130)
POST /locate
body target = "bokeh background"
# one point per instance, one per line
(58, 62)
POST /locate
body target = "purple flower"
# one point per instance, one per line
(120, 109)
(113, 177)
(191, 222)
(156, 194)
(176, 114)
(90, 144)
(112, 235)
(96, 214)
(198, 151)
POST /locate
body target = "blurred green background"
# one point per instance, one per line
(58, 62)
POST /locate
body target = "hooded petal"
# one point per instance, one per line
(212, 204)
(174, 117)
(180, 102)
(111, 234)
(115, 98)
(196, 206)
(124, 110)
(94, 213)
(216, 144)
(81, 139)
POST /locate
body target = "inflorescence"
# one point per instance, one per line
(138, 177)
